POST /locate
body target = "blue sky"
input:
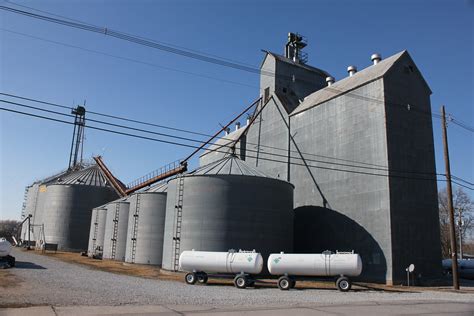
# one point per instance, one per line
(437, 34)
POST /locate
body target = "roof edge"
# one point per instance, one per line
(381, 75)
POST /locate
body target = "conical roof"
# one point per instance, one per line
(158, 187)
(91, 175)
(229, 165)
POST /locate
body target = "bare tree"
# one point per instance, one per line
(9, 228)
(463, 217)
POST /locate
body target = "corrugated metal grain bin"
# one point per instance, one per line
(115, 236)
(68, 200)
(97, 231)
(227, 205)
(146, 228)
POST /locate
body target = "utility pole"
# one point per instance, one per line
(460, 225)
(452, 228)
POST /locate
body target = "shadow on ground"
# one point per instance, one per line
(28, 265)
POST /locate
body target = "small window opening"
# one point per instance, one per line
(266, 94)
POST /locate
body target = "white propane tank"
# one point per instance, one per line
(315, 264)
(5, 247)
(221, 262)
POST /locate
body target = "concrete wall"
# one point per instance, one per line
(267, 141)
(413, 202)
(391, 221)
(339, 210)
(292, 81)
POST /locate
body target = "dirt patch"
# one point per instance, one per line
(8, 280)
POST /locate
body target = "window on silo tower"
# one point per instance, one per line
(266, 94)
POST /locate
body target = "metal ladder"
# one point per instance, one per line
(135, 228)
(179, 217)
(23, 207)
(96, 229)
(114, 236)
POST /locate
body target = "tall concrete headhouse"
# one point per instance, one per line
(360, 154)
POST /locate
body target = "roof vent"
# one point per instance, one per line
(330, 80)
(376, 58)
(351, 70)
(237, 126)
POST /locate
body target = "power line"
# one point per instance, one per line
(186, 131)
(183, 52)
(462, 180)
(193, 146)
(130, 59)
(106, 115)
(374, 166)
(228, 145)
(133, 39)
(462, 125)
(161, 42)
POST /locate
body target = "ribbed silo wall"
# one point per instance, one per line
(92, 233)
(37, 214)
(146, 225)
(66, 213)
(30, 206)
(222, 212)
(97, 230)
(116, 225)
(37, 218)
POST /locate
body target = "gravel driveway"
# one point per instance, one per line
(44, 280)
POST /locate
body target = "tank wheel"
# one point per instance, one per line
(343, 284)
(11, 261)
(284, 283)
(250, 282)
(293, 283)
(202, 277)
(190, 278)
(240, 281)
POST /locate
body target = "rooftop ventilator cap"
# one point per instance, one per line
(376, 58)
(351, 70)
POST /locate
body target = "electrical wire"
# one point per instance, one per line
(227, 145)
(376, 167)
(189, 53)
(161, 42)
(193, 146)
(133, 39)
(131, 59)
(186, 131)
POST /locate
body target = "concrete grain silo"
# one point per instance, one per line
(67, 202)
(97, 231)
(115, 236)
(227, 205)
(146, 227)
